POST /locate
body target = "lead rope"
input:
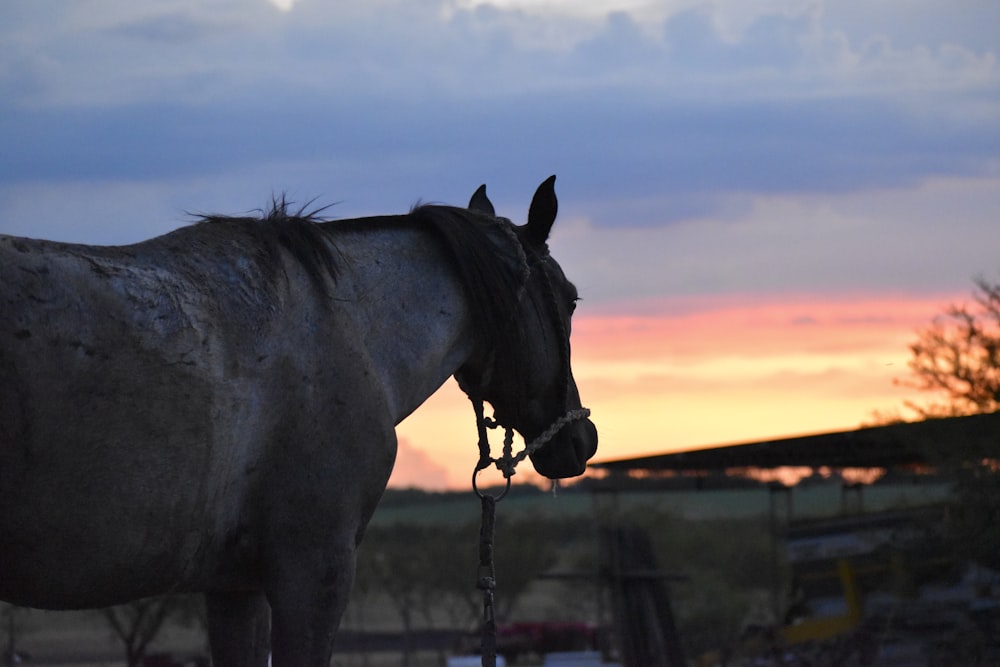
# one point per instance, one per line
(486, 582)
(506, 462)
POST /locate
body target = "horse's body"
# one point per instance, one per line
(214, 409)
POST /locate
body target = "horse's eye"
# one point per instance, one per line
(572, 305)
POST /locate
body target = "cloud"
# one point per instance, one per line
(633, 164)
(415, 468)
(175, 28)
(690, 331)
(774, 41)
(927, 22)
(931, 237)
(686, 50)
(648, 120)
(283, 5)
(721, 122)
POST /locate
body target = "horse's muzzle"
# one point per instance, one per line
(566, 455)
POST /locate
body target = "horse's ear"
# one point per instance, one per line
(481, 203)
(542, 212)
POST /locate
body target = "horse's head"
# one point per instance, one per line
(527, 376)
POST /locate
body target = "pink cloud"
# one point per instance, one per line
(752, 326)
(415, 468)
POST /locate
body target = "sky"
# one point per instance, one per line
(760, 201)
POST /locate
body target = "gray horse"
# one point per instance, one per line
(214, 409)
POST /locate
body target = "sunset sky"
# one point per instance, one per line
(760, 202)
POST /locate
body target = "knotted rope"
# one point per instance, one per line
(507, 461)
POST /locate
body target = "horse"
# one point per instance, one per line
(213, 410)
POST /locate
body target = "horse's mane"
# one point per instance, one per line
(491, 263)
(297, 231)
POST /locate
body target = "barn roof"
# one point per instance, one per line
(895, 445)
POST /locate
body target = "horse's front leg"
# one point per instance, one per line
(238, 629)
(308, 597)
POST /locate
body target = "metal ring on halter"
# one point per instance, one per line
(482, 494)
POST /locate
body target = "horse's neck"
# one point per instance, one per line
(410, 308)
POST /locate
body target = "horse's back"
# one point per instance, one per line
(120, 445)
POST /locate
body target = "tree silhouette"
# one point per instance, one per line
(397, 560)
(958, 357)
(139, 622)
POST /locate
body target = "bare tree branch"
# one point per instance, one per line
(957, 357)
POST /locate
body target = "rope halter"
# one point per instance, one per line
(507, 461)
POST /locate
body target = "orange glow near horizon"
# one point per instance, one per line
(692, 373)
